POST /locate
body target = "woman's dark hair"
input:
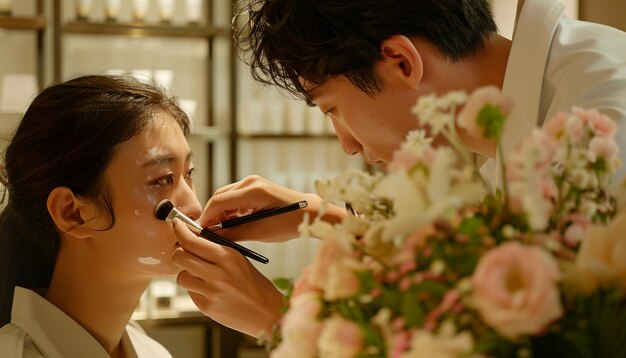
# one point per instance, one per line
(285, 41)
(67, 138)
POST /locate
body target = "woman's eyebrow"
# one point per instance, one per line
(163, 159)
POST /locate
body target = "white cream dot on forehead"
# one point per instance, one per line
(154, 151)
(149, 261)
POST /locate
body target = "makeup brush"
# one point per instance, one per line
(166, 211)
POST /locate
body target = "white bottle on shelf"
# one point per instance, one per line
(252, 117)
(193, 11)
(315, 121)
(295, 118)
(166, 10)
(6, 7)
(83, 9)
(140, 10)
(275, 116)
(112, 10)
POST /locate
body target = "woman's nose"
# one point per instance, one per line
(187, 202)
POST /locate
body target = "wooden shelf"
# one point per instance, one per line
(22, 23)
(142, 30)
(286, 136)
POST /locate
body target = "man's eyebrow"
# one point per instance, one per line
(163, 159)
(309, 100)
(309, 96)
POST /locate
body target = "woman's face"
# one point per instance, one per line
(152, 166)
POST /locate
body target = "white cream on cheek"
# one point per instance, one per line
(149, 260)
(153, 200)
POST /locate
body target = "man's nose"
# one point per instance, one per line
(349, 145)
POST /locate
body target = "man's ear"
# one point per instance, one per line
(70, 213)
(401, 57)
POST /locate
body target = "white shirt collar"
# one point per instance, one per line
(53, 331)
(524, 74)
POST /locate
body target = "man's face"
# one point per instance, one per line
(372, 126)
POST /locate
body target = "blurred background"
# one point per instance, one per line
(239, 128)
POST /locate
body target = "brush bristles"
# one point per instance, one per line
(163, 209)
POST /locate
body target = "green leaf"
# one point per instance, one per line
(491, 120)
(412, 311)
(470, 226)
(607, 324)
(437, 289)
(283, 283)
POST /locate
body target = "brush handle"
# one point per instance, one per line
(213, 237)
(259, 215)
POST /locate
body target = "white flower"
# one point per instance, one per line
(530, 186)
(425, 106)
(437, 122)
(410, 203)
(580, 178)
(438, 112)
(439, 178)
(445, 344)
(601, 260)
(417, 139)
(452, 99)
(353, 186)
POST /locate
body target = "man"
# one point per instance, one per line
(365, 63)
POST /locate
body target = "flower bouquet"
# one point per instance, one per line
(435, 262)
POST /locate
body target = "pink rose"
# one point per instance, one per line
(575, 128)
(304, 285)
(515, 289)
(342, 281)
(603, 125)
(340, 338)
(556, 125)
(482, 96)
(601, 147)
(330, 252)
(404, 159)
(301, 328)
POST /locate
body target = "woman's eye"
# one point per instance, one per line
(190, 174)
(167, 180)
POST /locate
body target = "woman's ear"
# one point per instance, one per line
(401, 58)
(70, 213)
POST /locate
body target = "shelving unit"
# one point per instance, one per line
(36, 23)
(23, 23)
(209, 131)
(286, 136)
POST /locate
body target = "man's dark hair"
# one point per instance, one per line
(285, 41)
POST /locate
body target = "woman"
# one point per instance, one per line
(79, 242)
